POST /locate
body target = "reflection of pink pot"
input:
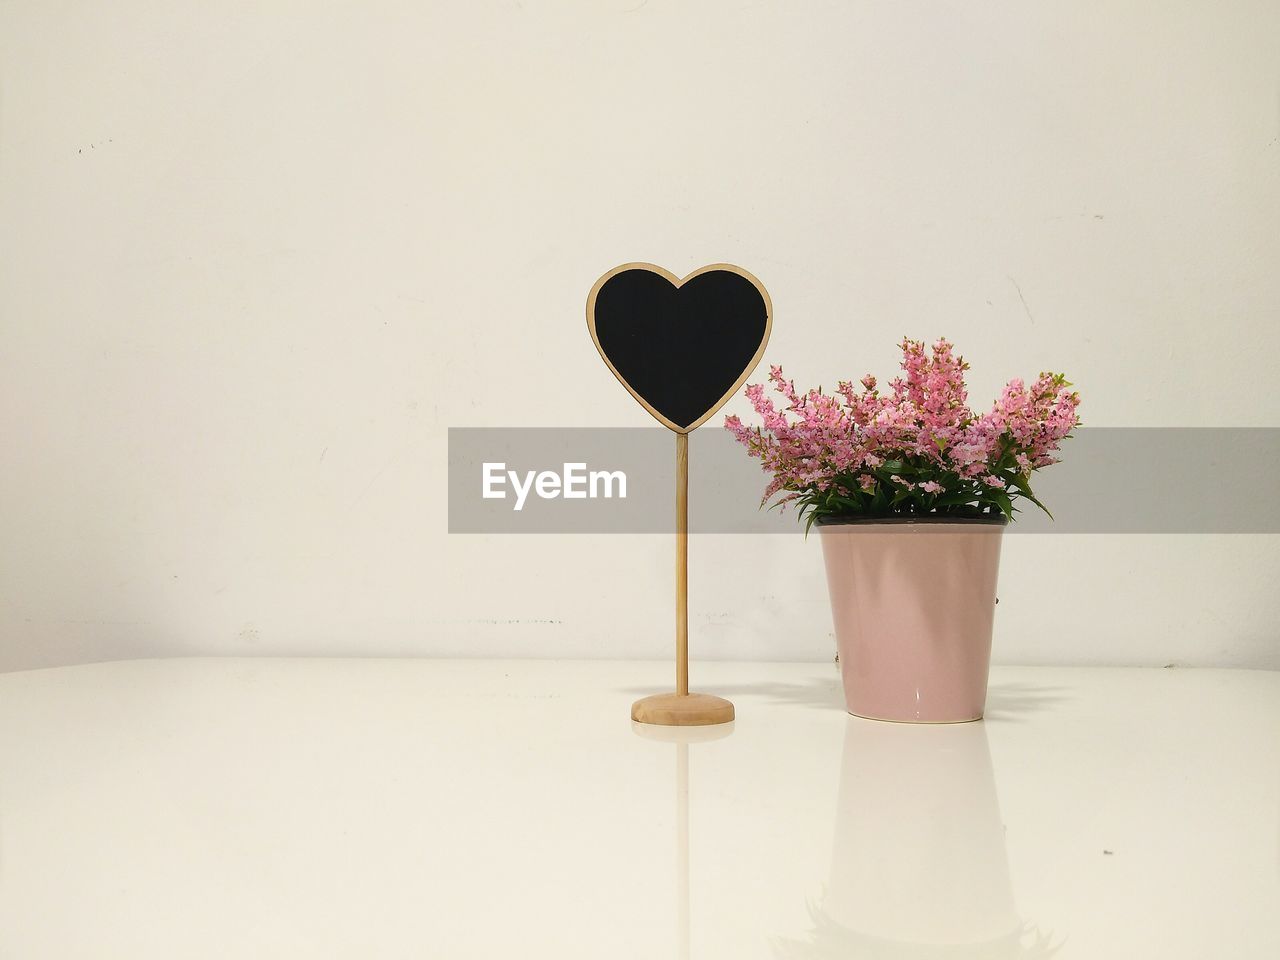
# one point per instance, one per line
(913, 601)
(919, 850)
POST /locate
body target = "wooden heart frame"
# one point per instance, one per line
(678, 282)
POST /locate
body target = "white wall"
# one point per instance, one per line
(247, 280)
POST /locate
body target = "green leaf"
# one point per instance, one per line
(1029, 496)
(808, 524)
(1024, 489)
(1002, 500)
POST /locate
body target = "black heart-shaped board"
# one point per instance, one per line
(682, 347)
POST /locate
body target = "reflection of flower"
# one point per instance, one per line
(916, 449)
(830, 940)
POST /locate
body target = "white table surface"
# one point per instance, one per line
(446, 809)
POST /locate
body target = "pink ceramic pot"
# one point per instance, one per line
(913, 600)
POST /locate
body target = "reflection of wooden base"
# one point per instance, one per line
(682, 710)
(682, 736)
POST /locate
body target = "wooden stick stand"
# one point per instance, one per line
(682, 708)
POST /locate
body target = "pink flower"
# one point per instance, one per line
(817, 444)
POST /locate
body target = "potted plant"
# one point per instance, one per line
(911, 491)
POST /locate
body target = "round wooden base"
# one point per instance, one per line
(682, 710)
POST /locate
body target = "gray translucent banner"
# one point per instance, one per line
(1111, 480)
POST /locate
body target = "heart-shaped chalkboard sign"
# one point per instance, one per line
(681, 347)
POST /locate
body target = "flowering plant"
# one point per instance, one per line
(916, 450)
